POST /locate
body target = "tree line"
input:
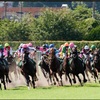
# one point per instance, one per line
(63, 24)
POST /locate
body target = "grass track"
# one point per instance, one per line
(88, 91)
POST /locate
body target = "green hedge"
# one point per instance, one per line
(80, 44)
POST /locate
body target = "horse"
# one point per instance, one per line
(75, 66)
(13, 66)
(44, 64)
(55, 66)
(88, 68)
(67, 69)
(28, 69)
(96, 64)
(4, 63)
(2, 76)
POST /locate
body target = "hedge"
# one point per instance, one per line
(79, 44)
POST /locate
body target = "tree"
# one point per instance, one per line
(55, 25)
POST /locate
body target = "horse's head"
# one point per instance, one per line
(52, 52)
(96, 59)
(45, 59)
(10, 58)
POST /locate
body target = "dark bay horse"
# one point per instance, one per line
(4, 63)
(2, 76)
(96, 63)
(44, 64)
(29, 69)
(55, 66)
(75, 66)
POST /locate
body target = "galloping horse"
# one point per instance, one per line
(75, 66)
(2, 76)
(55, 66)
(44, 64)
(96, 63)
(66, 68)
(12, 66)
(29, 69)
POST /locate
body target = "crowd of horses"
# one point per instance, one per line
(53, 69)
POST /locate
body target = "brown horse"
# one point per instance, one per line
(55, 66)
(96, 63)
(2, 76)
(67, 69)
(44, 64)
(13, 66)
(75, 66)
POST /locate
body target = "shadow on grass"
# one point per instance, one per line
(52, 87)
(19, 88)
(84, 85)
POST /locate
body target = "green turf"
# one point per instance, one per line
(88, 91)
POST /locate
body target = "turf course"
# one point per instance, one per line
(88, 91)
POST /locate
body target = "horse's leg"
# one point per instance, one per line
(60, 74)
(69, 79)
(53, 78)
(79, 79)
(56, 78)
(85, 80)
(74, 79)
(33, 82)
(27, 80)
(4, 83)
(86, 71)
(0, 84)
(95, 72)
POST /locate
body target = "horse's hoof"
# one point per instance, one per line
(85, 80)
(34, 87)
(10, 81)
(74, 80)
(54, 83)
(81, 84)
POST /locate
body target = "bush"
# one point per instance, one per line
(94, 34)
(79, 44)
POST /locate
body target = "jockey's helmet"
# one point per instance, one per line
(86, 47)
(66, 44)
(6, 45)
(93, 47)
(24, 46)
(30, 44)
(51, 45)
(71, 45)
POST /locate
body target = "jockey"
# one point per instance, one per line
(86, 53)
(71, 45)
(93, 48)
(65, 49)
(3, 61)
(30, 46)
(7, 50)
(32, 51)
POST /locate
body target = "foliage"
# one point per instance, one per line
(94, 34)
(56, 25)
(80, 44)
(59, 24)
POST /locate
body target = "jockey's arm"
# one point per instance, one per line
(11, 53)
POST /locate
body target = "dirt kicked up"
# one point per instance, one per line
(20, 81)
